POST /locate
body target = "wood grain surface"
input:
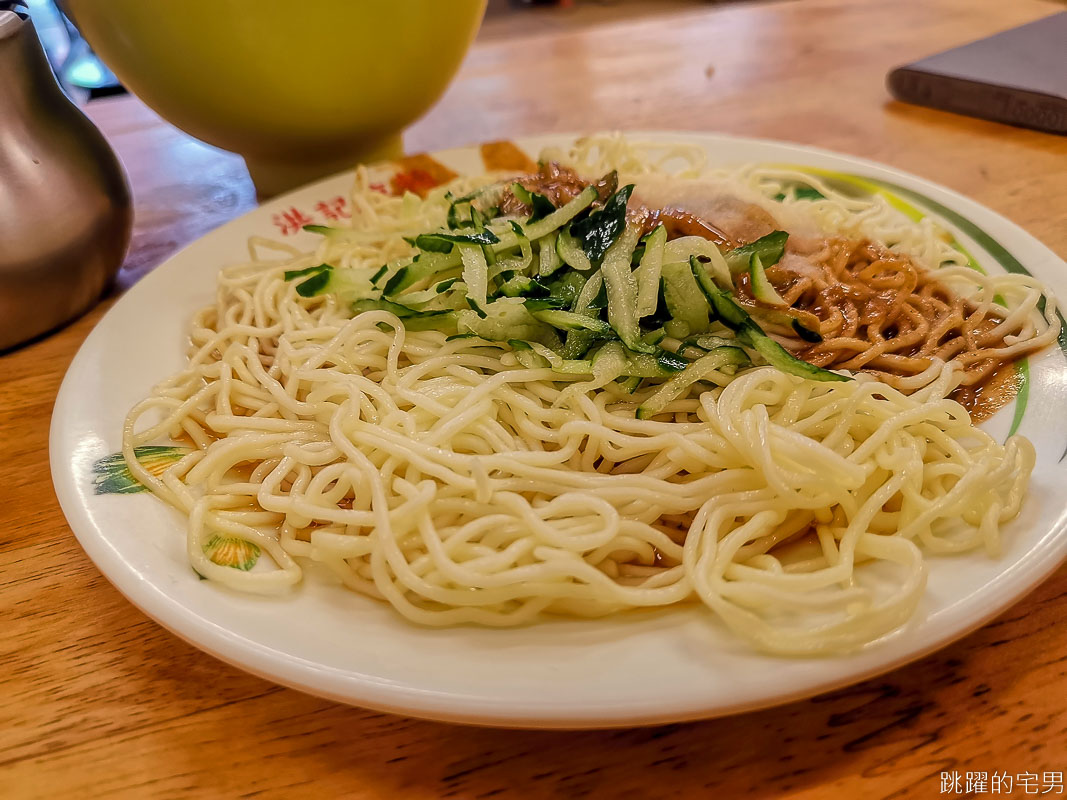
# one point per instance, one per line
(98, 701)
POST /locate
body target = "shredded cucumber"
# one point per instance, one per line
(707, 253)
(522, 262)
(348, 284)
(769, 248)
(475, 274)
(570, 321)
(587, 296)
(648, 273)
(548, 260)
(762, 289)
(578, 290)
(751, 335)
(707, 368)
(557, 219)
(506, 319)
(683, 297)
(570, 251)
(621, 286)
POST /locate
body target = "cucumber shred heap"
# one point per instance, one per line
(581, 289)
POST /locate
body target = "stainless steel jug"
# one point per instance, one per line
(65, 214)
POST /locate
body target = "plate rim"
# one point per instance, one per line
(371, 692)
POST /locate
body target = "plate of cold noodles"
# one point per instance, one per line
(579, 431)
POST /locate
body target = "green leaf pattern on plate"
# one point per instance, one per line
(111, 474)
(230, 551)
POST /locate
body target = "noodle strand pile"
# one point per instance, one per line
(448, 480)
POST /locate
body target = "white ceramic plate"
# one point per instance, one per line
(636, 669)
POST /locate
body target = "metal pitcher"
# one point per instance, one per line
(65, 214)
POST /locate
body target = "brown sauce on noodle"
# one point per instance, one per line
(880, 312)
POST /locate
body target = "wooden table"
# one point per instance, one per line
(99, 701)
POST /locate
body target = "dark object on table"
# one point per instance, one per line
(65, 214)
(1018, 77)
(81, 68)
(82, 75)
